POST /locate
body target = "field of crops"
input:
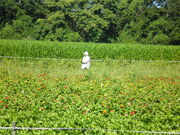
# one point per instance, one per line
(20, 48)
(113, 95)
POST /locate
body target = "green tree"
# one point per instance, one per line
(131, 21)
(20, 28)
(158, 32)
(173, 17)
(8, 11)
(127, 21)
(55, 28)
(7, 32)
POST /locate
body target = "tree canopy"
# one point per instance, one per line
(117, 21)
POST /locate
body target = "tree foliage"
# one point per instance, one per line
(127, 21)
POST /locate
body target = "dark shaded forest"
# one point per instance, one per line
(102, 21)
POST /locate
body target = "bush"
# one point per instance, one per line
(161, 39)
(7, 32)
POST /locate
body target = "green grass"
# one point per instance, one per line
(111, 95)
(26, 48)
(110, 68)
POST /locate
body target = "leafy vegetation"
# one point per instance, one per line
(125, 96)
(120, 21)
(70, 50)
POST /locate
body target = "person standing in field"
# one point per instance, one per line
(85, 61)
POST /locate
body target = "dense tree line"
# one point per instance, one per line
(117, 21)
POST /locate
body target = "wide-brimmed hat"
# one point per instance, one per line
(86, 53)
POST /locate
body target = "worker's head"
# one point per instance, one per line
(86, 53)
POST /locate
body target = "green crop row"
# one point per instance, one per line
(74, 50)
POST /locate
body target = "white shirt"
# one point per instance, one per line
(85, 60)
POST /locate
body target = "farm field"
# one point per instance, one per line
(111, 95)
(74, 50)
(131, 88)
